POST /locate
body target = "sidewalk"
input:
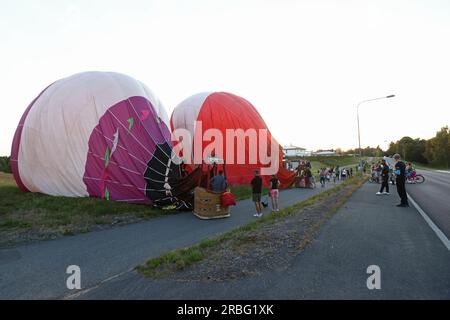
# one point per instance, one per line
(367, 230)
(38, 271)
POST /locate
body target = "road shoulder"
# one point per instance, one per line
(367, 230)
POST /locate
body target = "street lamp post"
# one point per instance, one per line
(357, 117)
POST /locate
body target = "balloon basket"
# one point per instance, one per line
(207, 205)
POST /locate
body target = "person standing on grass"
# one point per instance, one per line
(256, 193)
(400, 180)
(384, 178)
(274, 192)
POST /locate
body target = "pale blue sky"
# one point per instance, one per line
(303, 64)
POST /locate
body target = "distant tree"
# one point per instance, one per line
(5, 165)
(437, 149)
(409, 148)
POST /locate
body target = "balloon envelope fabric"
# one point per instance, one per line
(223, 111)
(99, 134)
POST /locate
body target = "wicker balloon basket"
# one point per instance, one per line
(207, 205)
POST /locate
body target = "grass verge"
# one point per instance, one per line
(34, 216)
(428, 167)
(179, 259)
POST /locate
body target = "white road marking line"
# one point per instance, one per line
(434, 227)
(443, 171)
(83, 291)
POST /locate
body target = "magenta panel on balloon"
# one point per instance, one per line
(120, 148)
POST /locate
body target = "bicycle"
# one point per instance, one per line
(413, 177)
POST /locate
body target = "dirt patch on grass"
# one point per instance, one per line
(271, 246)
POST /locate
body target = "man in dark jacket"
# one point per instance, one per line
(400, 180)
(219, 183)
(256, 193)
(384, 178)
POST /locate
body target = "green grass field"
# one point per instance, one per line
(61, 215)
(428, 167)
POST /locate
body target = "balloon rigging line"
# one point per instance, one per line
(158, 121)
(129, 200)
(151, 137)
(112, 181)
(156, 144)
(122, 147)
(126, 150)
(126, 185)
(129, 132)
(113, 162)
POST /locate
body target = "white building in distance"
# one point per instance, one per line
(294, 151)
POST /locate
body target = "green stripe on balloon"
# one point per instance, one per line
(106, 194)
(107, 156)
(130, 123)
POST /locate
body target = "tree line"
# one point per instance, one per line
(434, 151)
(5, 165)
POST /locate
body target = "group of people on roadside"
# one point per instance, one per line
(305, 178)
(257, 190)
(219, 184)
(386, 173)
(376, 169)
(341, 174)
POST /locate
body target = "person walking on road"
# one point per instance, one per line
(323, 176)
(256, 193)
(274, 192)
(308, 178)
(400, 180)
(384, 178)
(343, 174)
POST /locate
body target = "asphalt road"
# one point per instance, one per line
(38, 271)
(367, 230)
(433, 196)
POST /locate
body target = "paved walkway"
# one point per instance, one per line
(37, 271)
(367, 230)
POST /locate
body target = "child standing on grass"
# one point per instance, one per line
(256, 193)
(274, 192)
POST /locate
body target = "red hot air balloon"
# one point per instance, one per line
(205, 115)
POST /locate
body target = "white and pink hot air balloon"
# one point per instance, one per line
(99, 134)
